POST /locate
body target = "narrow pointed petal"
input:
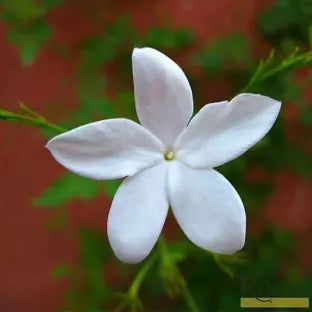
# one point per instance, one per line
(107, 149)
(163, 96)
(207, 208)
(223, 131)
(138, 213)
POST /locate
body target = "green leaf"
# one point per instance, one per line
(58, 220)
(287, 20)
(52, 3)
(223, 52)
(111, 187)
(92, 251)
(29, 39)
(61, 271)
(227, 262)
(93, 256)
(21, 11)
(306, 115)
(65, 188)
(102, 48)
(164, 38)
(127, 300)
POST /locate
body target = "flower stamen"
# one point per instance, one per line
(169, 155)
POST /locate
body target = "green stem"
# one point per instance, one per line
(256, 77)
(264, 72)
(292, 62)
(38, 121)
(185, 292)
(189, 299)
(137, 282)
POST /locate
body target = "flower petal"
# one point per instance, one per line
(107, 149)
(207, 207)
(223, 131)
(163, 96)
(138, 213)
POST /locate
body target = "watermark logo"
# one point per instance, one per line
(264, 292)
(274, 302)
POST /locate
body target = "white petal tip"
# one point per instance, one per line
(141, 51)
(51, 145)
(234, 246)
(266, 101)
(148, 51)
(48, 145)
(260, 96)
(125, 252)
(129, 259)
(225, 250)
(137, 51)
(232, 250)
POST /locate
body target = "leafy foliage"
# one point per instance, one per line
(30, 39)
(65, 188)
(166, 38)
(31, 118)
(28, 30)
(224, 52)
(87, 277)
(266, 69)
(287, 19)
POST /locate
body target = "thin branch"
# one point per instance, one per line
(264, 72)
(185, 292)
(189, 299)
(37, 121)
(130, 299)
(137, 282)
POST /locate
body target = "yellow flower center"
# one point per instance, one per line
(169, 154)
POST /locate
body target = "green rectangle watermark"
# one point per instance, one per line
(255, 302)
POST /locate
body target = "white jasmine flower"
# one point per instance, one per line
(169, 160)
